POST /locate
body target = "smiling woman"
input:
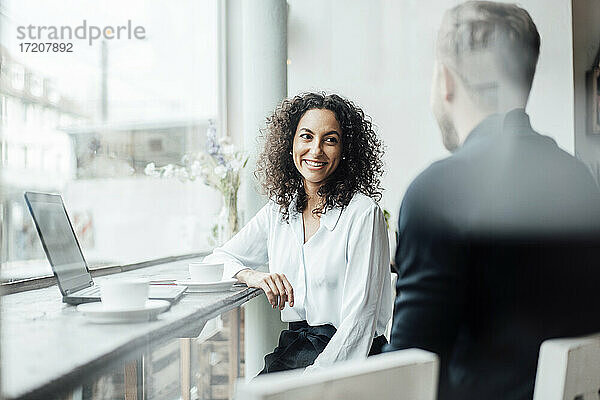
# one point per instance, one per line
(317, 147)
(360, 165)
(322, 234)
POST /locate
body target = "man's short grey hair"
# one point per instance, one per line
(489, 44)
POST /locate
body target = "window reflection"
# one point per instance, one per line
(86, 123)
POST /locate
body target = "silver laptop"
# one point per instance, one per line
(65, 255)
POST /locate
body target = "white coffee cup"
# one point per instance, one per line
(130, 293)
(206, 272)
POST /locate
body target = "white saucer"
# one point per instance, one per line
(207, 287)
(97, 313)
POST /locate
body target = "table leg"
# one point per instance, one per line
(185, 350)
(234, 347)
(131, 380)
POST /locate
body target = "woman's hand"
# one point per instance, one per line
(272, 284)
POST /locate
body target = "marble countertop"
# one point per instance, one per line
(47, 344)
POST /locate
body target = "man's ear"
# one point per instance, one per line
(447, 82)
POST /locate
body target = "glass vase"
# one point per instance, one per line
(228, 220)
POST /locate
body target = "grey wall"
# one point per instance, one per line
(586, 41)
(380, 54)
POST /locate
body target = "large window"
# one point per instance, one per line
(90, 92)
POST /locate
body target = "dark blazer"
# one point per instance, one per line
(498, 251)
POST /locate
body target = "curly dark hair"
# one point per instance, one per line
(360, 167)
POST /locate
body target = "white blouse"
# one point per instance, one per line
(340, 276)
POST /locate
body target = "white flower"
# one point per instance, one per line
(228, 149)
(168, 171)
(150, 169)
(196, 169)
(235, 165)
(220, 171)
(225, 140)
(203, 157)
(181, 174)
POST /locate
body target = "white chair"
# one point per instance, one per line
(401, 375)
(569, 369)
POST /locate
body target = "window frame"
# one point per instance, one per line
(39, 282)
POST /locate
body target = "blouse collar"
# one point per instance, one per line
(329, 218)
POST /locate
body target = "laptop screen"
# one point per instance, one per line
(59, 241)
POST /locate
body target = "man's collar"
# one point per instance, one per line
(516, 121)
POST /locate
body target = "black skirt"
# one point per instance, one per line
(301, 344)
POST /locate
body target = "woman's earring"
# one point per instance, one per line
(290, 153)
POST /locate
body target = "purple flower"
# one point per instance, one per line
(212, 143)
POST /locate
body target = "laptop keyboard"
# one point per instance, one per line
(89, 291)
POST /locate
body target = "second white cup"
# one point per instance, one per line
(206, 272)
(130, 293)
